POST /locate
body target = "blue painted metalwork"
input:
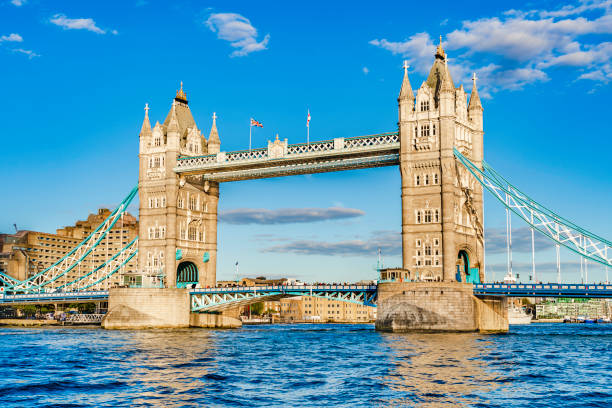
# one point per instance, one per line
(81, 296)
(179, 254)
(206, 257)
(39, 280)
(186, 275)
(216, 299)
(541, 219)
(544, 290)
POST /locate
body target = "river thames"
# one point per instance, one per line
(540, 365)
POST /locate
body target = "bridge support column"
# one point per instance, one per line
(438, 307)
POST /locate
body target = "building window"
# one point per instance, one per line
(426, 177)
(192, 233)
(433, 129)
(192, 203)
(417, 180)
(163, 202)
(428, 250)
(427, 216)
(436, 242)
(424, 106)
(424, 130)
(428, 262)
(437, 262)
(435, 178)
(156, 162)
(418, 243)
(157, 141)
(180, 202)
(436, 216)
(418, 217)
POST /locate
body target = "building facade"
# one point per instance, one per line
(442, 211)
(311, 309)
(26, 253)
(178, 216)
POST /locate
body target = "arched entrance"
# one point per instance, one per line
(186, 275)
(463, 269)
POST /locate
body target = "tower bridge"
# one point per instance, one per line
(438, 148)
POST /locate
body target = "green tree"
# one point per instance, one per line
(257, 308)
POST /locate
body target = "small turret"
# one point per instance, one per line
(474, 97)
(406, 91)
(475, 107)
(173, 126)
(145, 130)
(214, 143)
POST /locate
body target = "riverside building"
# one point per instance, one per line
(26, 253)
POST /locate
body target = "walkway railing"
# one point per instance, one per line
(280, 149)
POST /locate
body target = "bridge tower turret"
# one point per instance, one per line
(442, 237)
(178, 215)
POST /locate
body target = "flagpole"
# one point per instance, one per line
(250, 130)
(308, 134)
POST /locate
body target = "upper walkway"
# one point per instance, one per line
(283, 159)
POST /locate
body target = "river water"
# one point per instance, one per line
(541, 365)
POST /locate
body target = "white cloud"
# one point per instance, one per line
(239, 31)
(521, 46)
(18, 3)
(77, 24)
(31, 54)
(11, 38)
(365, 70)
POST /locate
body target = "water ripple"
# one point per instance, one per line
(540, 365)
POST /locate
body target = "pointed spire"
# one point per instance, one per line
(181, 96)
(214, 143)
(145, 130)
(474, 98)
(406, 91)
(173, 126)
(447, 81)
(440, 51)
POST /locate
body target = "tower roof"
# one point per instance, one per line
(439, 75)
(406, 91)
(440, 51)
(183, 113)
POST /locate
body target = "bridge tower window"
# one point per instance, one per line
(425, 130)
(436, 216)
(192, 233)
(435, 178)
(417, 180)
(427, 216)
(424, 106)
(193, 203)
(428, 250)
(157, 141)
(426, 177)
(418, 217)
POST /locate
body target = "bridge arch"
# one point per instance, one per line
(186, 274)
(466, 272)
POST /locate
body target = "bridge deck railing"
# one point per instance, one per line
(357, 143)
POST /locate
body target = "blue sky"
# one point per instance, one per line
(75, 77)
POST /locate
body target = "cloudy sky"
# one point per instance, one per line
(75, 77)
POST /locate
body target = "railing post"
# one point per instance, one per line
(221, 157)
(338, 143)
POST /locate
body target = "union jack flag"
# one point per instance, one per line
(255, 123)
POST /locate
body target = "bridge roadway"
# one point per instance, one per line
(282, 159)
(221, 298)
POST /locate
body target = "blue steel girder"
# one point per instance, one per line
(564, 290)
(556, 228)
(217, 299)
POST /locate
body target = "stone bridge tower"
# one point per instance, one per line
(442, 211)
(178, 216)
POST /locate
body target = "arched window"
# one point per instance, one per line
(435, 178)
(424, 106)
(427, 179)
(157, 141)
(427, 216)
(436, 216)
(418, 217)
(417, 180)
(192, 203)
